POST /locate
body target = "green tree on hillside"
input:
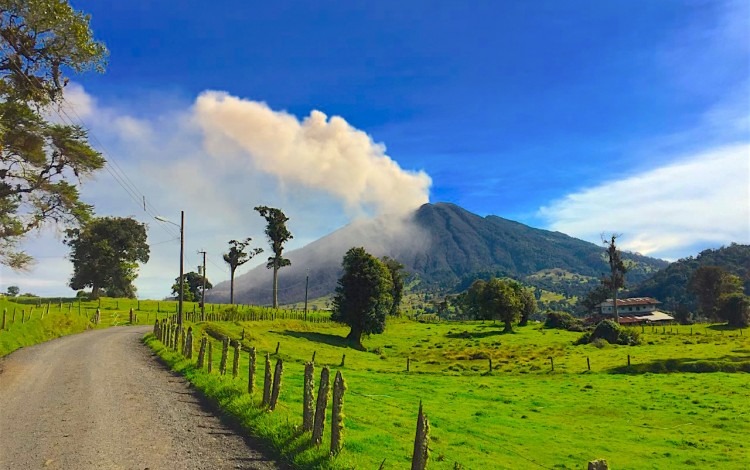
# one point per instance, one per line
(594, 298)
(397, 277)
(528, 303)
(616, 279)
(41, 163)
(193, 286)
(500, 301)
(709, 284)
(236, 257)
(13, 291)
(363, 296)
(105, 254)
(277, 234)
(734, 308)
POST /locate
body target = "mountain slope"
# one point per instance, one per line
(446, 247)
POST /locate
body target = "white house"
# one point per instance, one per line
(635, 310)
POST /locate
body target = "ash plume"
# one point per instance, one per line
(318, 152)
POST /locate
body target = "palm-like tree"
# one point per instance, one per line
(236, 257)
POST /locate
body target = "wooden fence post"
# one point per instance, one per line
(277, 348)
(236, 360)
(308, 399)
(337, 413)
(408, 364)
(210, 355)
(189, 345)
(599, 464)
(343, 360)
(267, 382)
(98, 315)
(251, 372)
(552, 363)
(5, 314)
(202, 353)
(588, 363)
(276, 384)
(421, 442)
(131, 316)
(320, 409)
(224, 354)
(13, 320)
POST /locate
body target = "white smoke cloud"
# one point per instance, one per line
(321, 153)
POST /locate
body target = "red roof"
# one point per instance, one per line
(632, 301)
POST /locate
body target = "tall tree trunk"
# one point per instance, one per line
(275, 287)
(614, 303)
(355, 337)
(95, 291)
(508, 326)
(231, 288)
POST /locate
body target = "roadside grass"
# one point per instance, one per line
(522, 415)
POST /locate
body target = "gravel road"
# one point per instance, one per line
(100, 400)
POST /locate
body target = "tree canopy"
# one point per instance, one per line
(236, 257)
(193, 286)
(41, 163)
(105, 254)
(720, 295)
(499, 299)
(277, 234)
(396, 270)
(363, 296)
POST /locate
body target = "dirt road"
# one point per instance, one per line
(100, 400)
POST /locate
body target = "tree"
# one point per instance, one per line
(236, 257)
(13, 291)
(277, 234)
(105, 254)
(363, 296)
(594, 298)
(528, 303)
(193, 286)
(734, 308)
(616, 279)
(396, 270)
(41, 162)
(708, 284)
(500, 301)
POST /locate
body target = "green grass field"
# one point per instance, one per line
(522, 415)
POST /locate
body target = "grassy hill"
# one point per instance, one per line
(521, 415)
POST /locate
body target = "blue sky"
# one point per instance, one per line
(586, 117)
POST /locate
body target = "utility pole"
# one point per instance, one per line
(203, 292)
(182, 268)
(307, 282)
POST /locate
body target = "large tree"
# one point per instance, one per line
(105, 254)
(41, 162)
(528, 303)
(396, 270)
(236, 257)
(363, 296)
(500, 300)
(193, 286)
(616, 279)
(277, 234)
(708, 284)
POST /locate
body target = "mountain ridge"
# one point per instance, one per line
(442, 245)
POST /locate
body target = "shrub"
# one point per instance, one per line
(563, 321)
(612, 333)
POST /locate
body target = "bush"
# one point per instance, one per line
(612, 333)
(563, 321)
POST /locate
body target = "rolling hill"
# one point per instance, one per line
(445, 247)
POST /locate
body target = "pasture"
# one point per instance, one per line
(521, 414)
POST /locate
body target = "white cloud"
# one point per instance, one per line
(320, 153)
(699, 199)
